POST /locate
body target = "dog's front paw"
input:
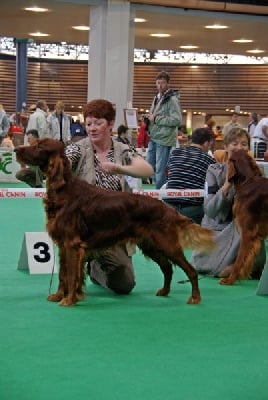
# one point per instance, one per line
(226, 272)
(194, 300)
(55, 297)
(67, 302)
(227, 281)
(163, 291)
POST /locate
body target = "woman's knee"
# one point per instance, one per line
(121, 280)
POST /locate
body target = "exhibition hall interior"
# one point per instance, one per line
(151, 295)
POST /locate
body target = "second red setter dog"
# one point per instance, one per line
(83, 219)
(250, 210)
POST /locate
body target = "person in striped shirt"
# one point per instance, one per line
(187, 167)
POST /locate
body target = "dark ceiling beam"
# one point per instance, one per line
(234, 6)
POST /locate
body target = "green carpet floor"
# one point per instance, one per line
(136, 347)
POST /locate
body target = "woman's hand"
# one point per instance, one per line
(139, 168)
(226, 186)
(110, 168)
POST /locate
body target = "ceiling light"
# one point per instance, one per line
(140, 20)
(38, 34)
(216, 26)
(36, 9)
(160, 34)
(189, 47)
(243, 41)
(255, 51)
(81, 27)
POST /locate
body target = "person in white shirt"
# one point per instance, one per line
(4, 123)
(261, 130)
(260, 138)
(38, 120)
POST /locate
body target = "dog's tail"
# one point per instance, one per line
(195, 236)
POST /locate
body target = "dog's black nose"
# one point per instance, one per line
(16, 149)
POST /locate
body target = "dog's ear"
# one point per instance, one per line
(55, 173)
(231, 170)
(257, 171)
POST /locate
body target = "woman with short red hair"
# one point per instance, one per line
(105, 162)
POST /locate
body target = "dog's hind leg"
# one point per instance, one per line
(63, 285)
(166, 268)
(165, 261)
(169, 244)
(192, 275)
(165, 265)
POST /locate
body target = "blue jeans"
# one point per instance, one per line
(157, 156)
(195, 213)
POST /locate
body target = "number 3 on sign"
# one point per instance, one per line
(43, 255)
(37, 253)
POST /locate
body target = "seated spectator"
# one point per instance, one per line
(17, 134)
(221, 155)
(122, 134)
(15, 129)
(187, 167)
(218, 215)
(7, 141)
(31, 175)
(182, 132)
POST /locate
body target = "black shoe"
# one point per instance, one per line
(256, 274)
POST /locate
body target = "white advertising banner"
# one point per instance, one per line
(8, 165)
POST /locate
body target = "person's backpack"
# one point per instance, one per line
(77, 129)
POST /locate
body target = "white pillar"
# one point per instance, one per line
(111, 54)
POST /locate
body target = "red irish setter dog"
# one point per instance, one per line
(250, 210)
(83, 219)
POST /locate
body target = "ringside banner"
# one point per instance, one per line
(8, 165)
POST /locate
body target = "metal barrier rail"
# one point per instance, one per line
(24, 193)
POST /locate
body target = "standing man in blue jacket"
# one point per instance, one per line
(165, 118)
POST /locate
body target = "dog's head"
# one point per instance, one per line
(241, 166)
(49, 155)
(40, 153)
